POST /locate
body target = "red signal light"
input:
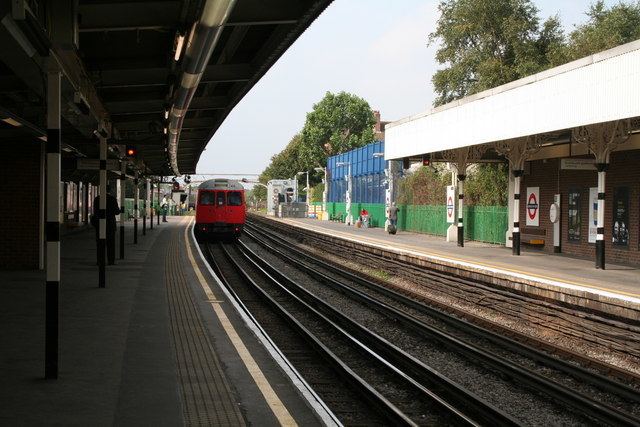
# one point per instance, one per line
(131, 151)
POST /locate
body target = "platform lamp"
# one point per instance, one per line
(349, 219)
(324, 191)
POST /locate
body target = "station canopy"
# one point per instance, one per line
(118, 62)
(600, 88)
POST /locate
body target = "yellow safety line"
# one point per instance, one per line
(478, 263)
(279, 409)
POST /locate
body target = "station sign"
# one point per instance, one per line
(578, 164)
(532, 206)
(451, 207)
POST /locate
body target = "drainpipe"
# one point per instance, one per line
(202, 40)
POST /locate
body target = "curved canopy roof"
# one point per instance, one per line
(118, 60)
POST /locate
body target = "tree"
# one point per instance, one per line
(424, 186)
(486, 43)
(338, 123)
(285, 164)
(487, 185)
(605, 29)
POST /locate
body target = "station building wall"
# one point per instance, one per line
(20, 205)
(623, 172)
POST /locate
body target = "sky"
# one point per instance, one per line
(376, 49)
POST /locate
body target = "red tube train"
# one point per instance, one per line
(220, 208)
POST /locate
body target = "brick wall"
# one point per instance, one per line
(20, 195)
(623, 172)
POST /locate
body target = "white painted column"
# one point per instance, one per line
(349, 217)
(600, 252)
(52, 226)
(461, 178)
(136, 200)
(122, 180)
(517, 174)
(102, 215)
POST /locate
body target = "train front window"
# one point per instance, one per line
(234, 198)
(207, 198)
(220, 198)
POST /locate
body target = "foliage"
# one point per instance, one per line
(425, 186)
(487, 185)
(285, 164)
(605, 29)
(486, 43)
(258, 192)
(338, 123)
(316, 192)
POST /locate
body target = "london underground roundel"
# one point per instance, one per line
(533, 206)
(450, 207)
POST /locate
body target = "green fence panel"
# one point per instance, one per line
(486, 223)
(429, 219)
(481, 223)
(336, 210)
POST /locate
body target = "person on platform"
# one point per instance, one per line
(111, 211)
(364, 216)
(164, 205)
(393, 214)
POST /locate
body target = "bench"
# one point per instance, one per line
(533, 236)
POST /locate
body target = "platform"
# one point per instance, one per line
(550, 275)
(160, 345)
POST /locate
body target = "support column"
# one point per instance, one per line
(461, 178)
(158, 216)
(77, 213)
(123, 181)
(517, 174)
(601, 139)
(144, 207)
(602, 174)
(86, 202)
(349, 217)
(52, 227)
(136, 200)
(151, 204)
(102, 214)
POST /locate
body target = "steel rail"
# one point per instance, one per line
(448, 394)
(568, 396)
(444, 278)
(377, 401)
(577, 372)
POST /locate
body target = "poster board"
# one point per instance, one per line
(593, 214)
(532, 206)
(620, 232)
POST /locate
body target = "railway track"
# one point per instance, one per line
(399, 387)
(558, 391)
(460, 297)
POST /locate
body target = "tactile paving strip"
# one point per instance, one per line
(206, 395)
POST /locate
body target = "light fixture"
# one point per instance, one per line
(166, 114)
(165, 130)
(12, 122)
(375, 155)
(179, 45)
(43, 138)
